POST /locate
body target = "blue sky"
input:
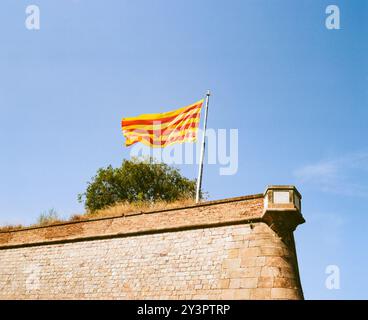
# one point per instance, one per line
(296, 92)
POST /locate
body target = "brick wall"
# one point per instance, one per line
(217, 250)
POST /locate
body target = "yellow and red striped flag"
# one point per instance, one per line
(163, 129)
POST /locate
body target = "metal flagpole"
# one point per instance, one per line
(200, 169)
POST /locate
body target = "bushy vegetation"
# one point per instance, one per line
(48, 217)
(145, 181)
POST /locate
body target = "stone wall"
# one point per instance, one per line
(229, 249)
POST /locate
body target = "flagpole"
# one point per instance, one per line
(200, 169)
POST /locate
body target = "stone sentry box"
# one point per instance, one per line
(282, 205)
(238, 248)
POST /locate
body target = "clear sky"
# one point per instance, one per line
(296, 92)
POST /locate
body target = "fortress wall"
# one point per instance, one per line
(228, 249)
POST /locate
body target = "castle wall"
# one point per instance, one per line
(216, 250)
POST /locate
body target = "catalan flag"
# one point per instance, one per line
(163, 129)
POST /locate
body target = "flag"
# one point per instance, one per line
(163, 129)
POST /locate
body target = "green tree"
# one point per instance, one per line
(136, 180)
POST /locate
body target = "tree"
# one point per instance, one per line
(136, 180)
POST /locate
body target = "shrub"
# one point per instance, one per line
(136, 181)
(48, 217)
